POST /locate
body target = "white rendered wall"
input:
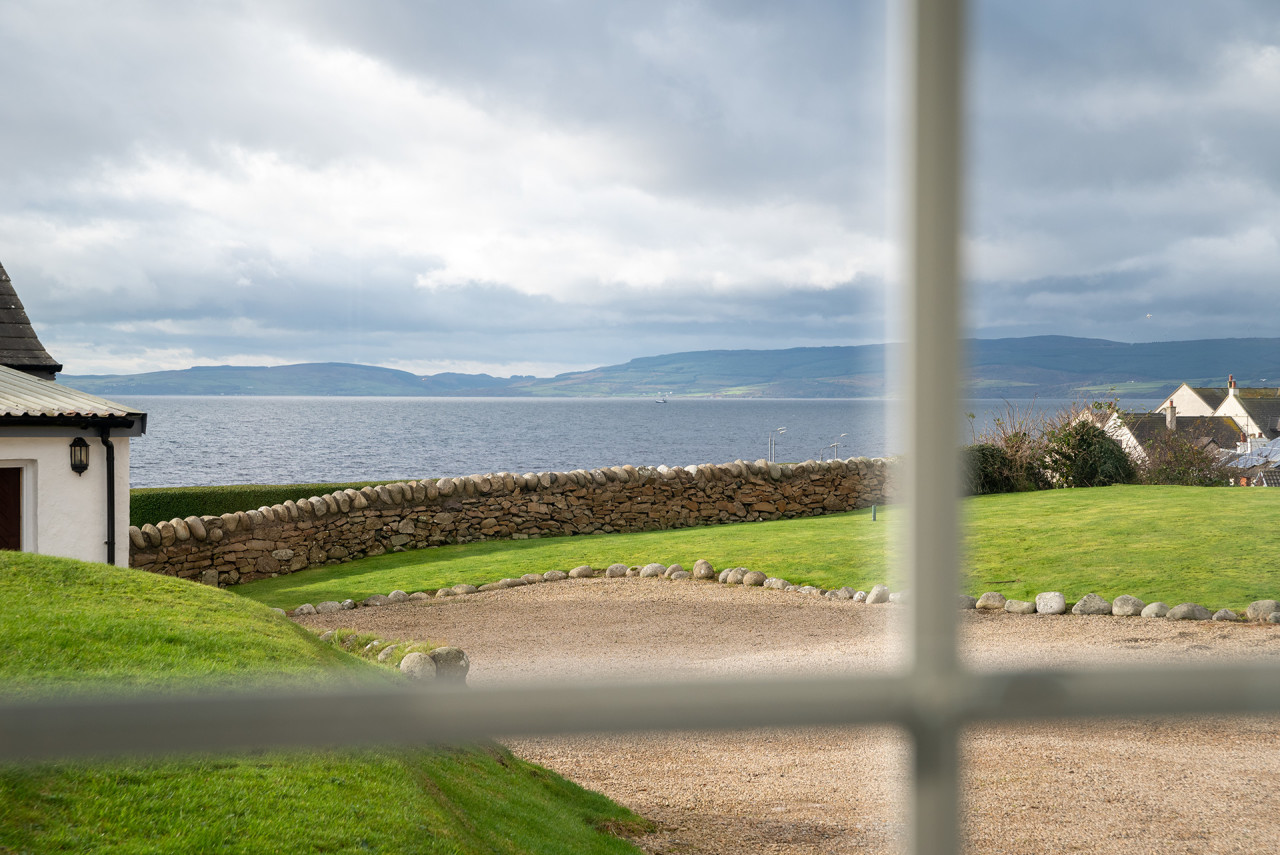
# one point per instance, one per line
(70, 510)
(1231, 407)
(1117, 430)
(1187, 403)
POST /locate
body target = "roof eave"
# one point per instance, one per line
(134, 424)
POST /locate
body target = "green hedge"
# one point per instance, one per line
(153, 504)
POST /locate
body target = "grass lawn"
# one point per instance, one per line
(824, 550)
(68, 623)
(1216, 546)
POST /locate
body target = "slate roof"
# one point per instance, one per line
(1258, 392)
(1200, 430)
(1265, 412)
(29, 400)
(20, 348)
(1213, 395)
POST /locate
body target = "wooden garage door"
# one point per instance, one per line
(10, 508)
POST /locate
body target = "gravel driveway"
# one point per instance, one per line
(1199, 786)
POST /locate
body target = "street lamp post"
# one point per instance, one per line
(773, 442)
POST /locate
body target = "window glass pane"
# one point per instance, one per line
(1118, 191)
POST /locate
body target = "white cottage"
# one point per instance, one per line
(64, 454)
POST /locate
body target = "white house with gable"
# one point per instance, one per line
(64, 454)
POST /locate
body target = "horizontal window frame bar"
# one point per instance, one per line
(65, 728)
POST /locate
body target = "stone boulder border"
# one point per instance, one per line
(1046, 603)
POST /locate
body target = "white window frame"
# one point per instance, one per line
(933, 698)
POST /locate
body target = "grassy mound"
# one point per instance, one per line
(1213, 546)
(70, 623)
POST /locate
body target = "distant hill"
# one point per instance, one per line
(1044, 366)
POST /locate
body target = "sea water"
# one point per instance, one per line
(199, 440)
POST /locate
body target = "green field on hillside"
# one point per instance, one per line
(71, 624)
(1216, 546)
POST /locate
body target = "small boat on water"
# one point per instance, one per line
(660, 400)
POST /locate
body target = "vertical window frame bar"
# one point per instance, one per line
(934, 43)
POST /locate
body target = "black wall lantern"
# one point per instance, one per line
(79, 455)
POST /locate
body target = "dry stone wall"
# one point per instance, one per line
(341, 526)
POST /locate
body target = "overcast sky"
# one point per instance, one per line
(545, 185)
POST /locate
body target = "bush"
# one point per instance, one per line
(1008, 457)
(153, 504)
(991, 469)
(1174, 459)
(1081, 454)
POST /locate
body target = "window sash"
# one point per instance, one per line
(933, 698)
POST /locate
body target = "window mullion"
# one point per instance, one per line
(934, 55)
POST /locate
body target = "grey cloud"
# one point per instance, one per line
(380, 322)
(1100, 136)
(728, 105)
(721, 98)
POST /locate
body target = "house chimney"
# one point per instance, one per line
(1231, 385)
(1171, 417)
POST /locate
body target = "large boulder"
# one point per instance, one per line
(964, 601)
(452, 664)
(1051, 603)
(1019, 607)
(615, 571)
(879, 594)
(1091, 604)
(583, 572)
(1259, 609)
(1157, 609)
(1225, 614)
(702, 569)
(1189, 611)
(652, 571)
(753, 579)
(1127, 606)
(991, 601)
(418, 666)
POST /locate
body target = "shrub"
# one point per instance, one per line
(1008, 457)
(1081, 454)
(992, 469)
(1174, 459)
